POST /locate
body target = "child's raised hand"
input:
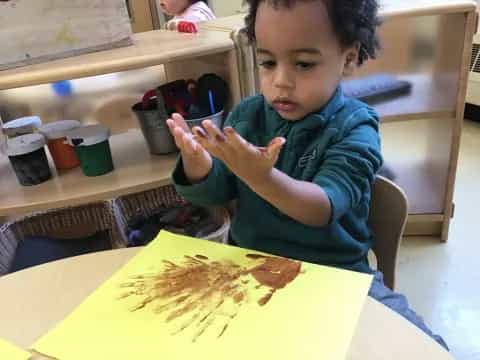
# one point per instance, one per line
(182, 135)
(197, 161)
(247, 161)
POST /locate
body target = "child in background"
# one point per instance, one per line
(301, 158)
(193, 11)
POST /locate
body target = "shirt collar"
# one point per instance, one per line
(312, 120)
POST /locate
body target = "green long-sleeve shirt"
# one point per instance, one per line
(337, 148)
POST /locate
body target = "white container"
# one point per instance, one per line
(21, 126)
(57, 129)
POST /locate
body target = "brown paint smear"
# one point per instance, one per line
(200, 292)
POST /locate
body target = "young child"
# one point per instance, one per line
(301, 158)
(194, 11)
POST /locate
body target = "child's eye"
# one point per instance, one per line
(303, 65)
(267, 64)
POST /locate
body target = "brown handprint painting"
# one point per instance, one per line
(184, 298)
(199, 292)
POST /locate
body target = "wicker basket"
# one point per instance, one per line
(8, 245)
(67, 223)
(148, 202)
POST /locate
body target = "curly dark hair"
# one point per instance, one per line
(354, 21)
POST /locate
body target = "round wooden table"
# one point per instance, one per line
(34, 300)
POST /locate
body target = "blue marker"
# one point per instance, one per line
(210, 99)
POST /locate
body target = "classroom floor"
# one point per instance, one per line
(441, 280)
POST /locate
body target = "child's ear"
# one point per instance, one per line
(351, 60)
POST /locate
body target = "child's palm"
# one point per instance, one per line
(248, 160)
(185, 141)
(244, 159)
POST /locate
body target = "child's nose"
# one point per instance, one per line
(283, 79)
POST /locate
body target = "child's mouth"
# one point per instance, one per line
(284, 105)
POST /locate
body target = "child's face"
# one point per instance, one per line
(174, 7)
(301, 61)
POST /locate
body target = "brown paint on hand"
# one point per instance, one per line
(200, 292)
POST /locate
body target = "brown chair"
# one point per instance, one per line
(388, 215)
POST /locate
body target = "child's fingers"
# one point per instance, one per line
(275, 146)
(197, 130)
(171, 125)
(178, 137)
(201, 137)
(213, 146)
(183, 139)
(201, 142)
(234, 139)
(190, 146)
(213, 132)
(180, 121)
(204, 141)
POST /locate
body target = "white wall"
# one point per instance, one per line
(226, 7)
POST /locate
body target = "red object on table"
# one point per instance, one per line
(187, 27)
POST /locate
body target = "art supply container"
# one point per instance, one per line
(217, 119)
(154, 128)
(62, 152)
(92, 148)
(21, 126)
(28, 158)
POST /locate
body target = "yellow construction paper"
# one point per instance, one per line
(11, 352)
(184, 298)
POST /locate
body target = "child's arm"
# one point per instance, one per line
(348, 169)
(197, 177)
(303, 201)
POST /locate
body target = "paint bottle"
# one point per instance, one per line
(63, 154)
(28, 158)
(92, 147)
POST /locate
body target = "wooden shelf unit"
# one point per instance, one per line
(429, 98)
(182, 56)
(135, 171)
(149, 49)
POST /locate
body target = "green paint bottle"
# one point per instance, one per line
(92, 148)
